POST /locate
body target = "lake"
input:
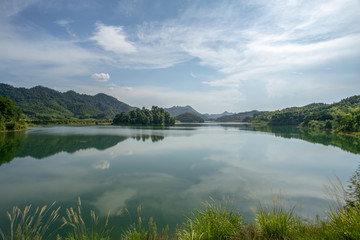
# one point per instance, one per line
(171, 171)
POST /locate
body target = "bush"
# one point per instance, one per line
(214, 222)
(277, 223)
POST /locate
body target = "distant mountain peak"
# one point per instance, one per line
(178, 110)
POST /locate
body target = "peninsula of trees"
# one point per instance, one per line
(343, 116)
(145, 117)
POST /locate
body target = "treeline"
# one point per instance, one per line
(10, 116)
(155, 116)
(343, 116)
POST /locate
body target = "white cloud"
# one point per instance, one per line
(44, 56)
(101, 165)
(63, 22)
(113, 38)
(101, 77)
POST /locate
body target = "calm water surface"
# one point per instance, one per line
(171, 171)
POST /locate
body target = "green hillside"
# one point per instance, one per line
(239, 117)
(189, 118)
(10, 116)
(47, 104)
(343, 116)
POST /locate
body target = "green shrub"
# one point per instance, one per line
(214, 222)
(344, 223)
(277, 223)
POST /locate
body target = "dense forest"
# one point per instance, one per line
(41, 103)
(10, 116)
(155, 116)
(189, 118)
(343, 116)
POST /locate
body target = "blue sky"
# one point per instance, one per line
(214, 55)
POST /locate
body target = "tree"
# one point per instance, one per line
(10, 115)
(155, 116)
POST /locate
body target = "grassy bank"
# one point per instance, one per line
(214, 221)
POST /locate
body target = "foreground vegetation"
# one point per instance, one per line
(212, 222)
(341, 117)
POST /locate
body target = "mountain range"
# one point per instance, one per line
(178, 110)
(44, 103)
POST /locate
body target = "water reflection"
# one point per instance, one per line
(10, 144)
(347, 143)
(171, 171)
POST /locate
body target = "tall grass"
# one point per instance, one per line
(139, 231)
(344, 217)
(216, 221)
(277, 222)
(26, 225)
(83, 231)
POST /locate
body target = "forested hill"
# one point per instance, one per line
(343, 116)
(45, 103)
(177, 110)
(239, 117)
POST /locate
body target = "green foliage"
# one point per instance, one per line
(145, 117)
(42, 103)
(10, 116)
(189, 118)
(343, 116)
(25, 225)
(139, 232)
(214, 222)
(239, 117)
(344, 223)
(277, 223)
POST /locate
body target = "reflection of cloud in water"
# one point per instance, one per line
(101, 165)
(173, 176)
(113, 200)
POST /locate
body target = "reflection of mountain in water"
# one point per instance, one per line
(41, 146)
(347, 143)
